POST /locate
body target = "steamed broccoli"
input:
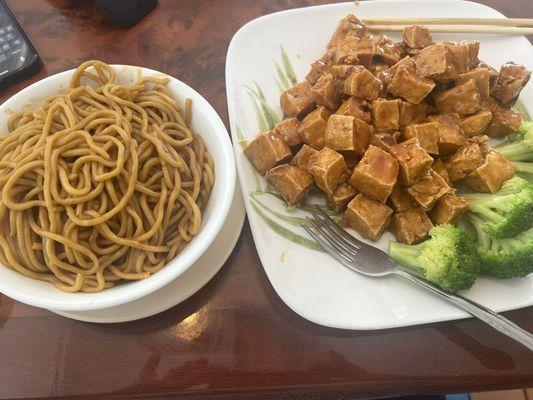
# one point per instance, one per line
(504, 258)
(520, 148)
(507, 212)
(448, 258)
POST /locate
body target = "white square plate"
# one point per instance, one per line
(309, 281)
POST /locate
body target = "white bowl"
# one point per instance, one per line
(208, 124)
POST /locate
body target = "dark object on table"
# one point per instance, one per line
(18, 58)
(126, 13)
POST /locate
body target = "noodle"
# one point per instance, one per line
(102, 183)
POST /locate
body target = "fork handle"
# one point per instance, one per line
(495, 320)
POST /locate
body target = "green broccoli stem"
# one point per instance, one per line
(482, 236)
(406, 255)
(524, 167)
(516, 151)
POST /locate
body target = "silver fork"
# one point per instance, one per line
(370, 261)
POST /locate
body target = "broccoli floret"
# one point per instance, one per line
(520, 149)
(507, 212)
(448, 258)
(504, 258)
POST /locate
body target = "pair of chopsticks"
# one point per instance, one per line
(498, 26)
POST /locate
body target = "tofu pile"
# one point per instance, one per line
(386, 129)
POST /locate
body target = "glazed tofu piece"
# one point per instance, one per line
(304, 157)
(348, 26)
(451, 137)
(412, 113)
(387, 51)
(407, 62)
(386, 114)
(292, 182)
(267, 150)
(413, 160)
(504, 122)
(464, 161)
(356, 108)
(384, 140)
(481, 77)
(462, 99)
(490, 176)
(313, 127)
(355, 50)
(512, 79)
(409, 86)
(448, 209)
(460, 60)
(428, 190)
(417, 37)
(476, 124)
(288, 129)
(376, 174)
(298, 101)
(318, 68)
(346, 134)
(411, 226)
(434, 61)
(341, 197)
(367, 216)
(439, 167)
(473, 51)
(328, 169)
(427, 135)
(326, 92)
(400, 200)
(361, 83)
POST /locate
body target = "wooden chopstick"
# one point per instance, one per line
(451, 21)
(497, 30)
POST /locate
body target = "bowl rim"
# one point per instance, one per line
(199, 244)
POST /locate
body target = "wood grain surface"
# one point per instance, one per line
(235, 338)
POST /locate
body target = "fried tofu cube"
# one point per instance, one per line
(326, 92)
(409, 86)
(367, 216)
(504, 122)
(341, 197)
(512, 79)
(384, 140)
(404, 62)
(387, 51)
(462, 99)
(313, 127)
(476, 124)
(481, 77)
(400, 200)
(411, 226)
(414, 161)
(428, 190)
(319, 68)
(355, 107)
(448, 209)
(361, 83)
(417, 37)
(288, 129)
(349, 25)
(412, 113)
(464, 161)
(427, 135)
(267, 150)
(439, 167)
(451, 137)
(386, 114)
(460, 60)
(490, 176)
(376, 174)
(355, 50)
(347, 134)
(329, 169)
(433, 61)
(473, 50)
(292, 182)
(304, 157)
(298, 101)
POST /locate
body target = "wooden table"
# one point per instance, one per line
(235, 337)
